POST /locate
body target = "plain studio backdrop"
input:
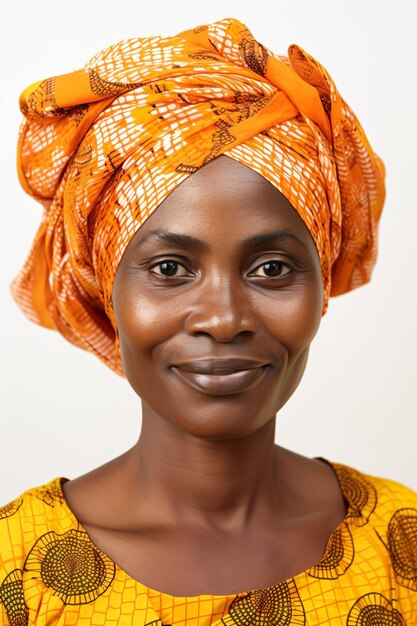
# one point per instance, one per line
(63, 412)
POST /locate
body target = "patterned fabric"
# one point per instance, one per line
(100, 148)
(52, 573)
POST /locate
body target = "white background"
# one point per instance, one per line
(63, 413)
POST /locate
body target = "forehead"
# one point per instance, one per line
(224, 196)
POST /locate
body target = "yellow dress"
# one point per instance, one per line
(52, 574)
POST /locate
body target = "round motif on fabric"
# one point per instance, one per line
(254, 53)
(12, 597)
(280, 604)
(71, 565)
(11, 508)
(359, 492)
(374, 609)
(51, 494)
(42, 100)
(402, 546)
(104, 87)
(339, 555)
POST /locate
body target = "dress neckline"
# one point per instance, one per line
(351, 482)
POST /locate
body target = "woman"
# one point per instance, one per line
(268, 196)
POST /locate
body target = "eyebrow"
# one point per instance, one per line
(187, 241)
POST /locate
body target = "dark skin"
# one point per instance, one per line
(205, 502)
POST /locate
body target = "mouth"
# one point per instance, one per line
(222, 384)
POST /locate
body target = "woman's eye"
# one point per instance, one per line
(272, 269)
(168, 268)
(275, 269)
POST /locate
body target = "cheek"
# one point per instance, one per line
(144, 323)
(292, 323)
(294, 319)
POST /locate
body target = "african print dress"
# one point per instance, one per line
(51, 573)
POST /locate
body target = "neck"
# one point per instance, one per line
(204, 481)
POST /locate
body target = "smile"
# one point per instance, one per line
(221, 385)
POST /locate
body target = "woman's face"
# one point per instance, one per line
(227, 293)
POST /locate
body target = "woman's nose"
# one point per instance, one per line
(222, 309)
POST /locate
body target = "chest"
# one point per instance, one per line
(188, 564)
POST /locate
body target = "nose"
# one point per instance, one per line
(222, 308)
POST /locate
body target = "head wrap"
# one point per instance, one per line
(101, 147)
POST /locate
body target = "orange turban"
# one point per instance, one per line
(101, 147)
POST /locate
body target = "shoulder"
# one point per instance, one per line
(393, 495)
(372, 497)
(385, 509)
(26, 518)
(45, 556)
(393, 513)
(385, 494)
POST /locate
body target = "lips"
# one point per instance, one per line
(221, 377)
(219, 366)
